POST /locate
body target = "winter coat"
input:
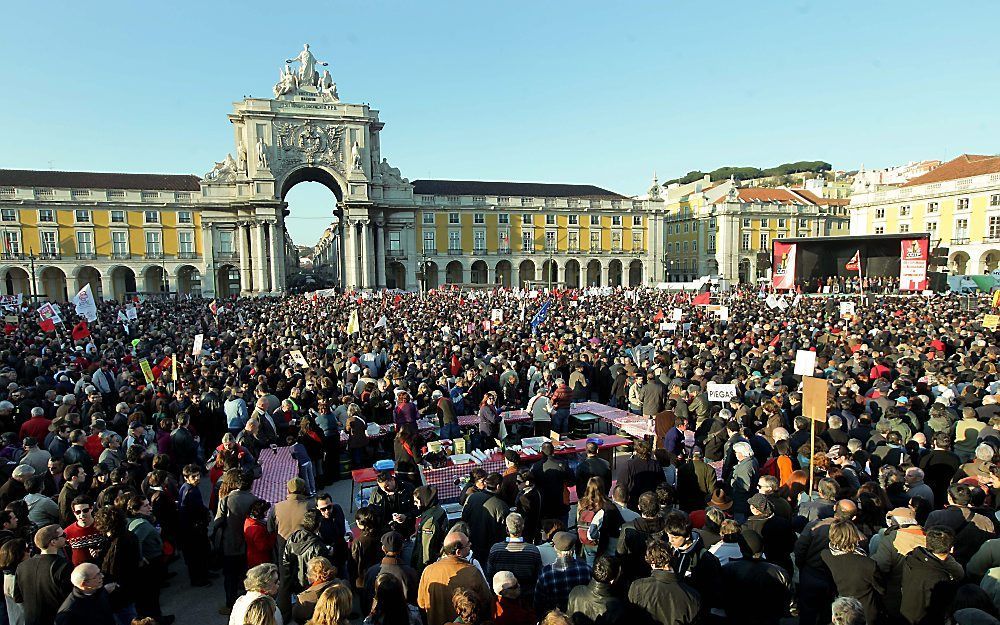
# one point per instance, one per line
(301, 547)
(856, 575)
(432, 527)
(662, 598)
(928, 587)
(485, 513)
(757, 592)
(595, 604)
(632, 547)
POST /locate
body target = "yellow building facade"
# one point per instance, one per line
(957, 203)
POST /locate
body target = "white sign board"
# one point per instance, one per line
(846, 309)
(669, 326)
(496, 315)
(721, 392)
(298, 358)
(199, 340)
(723, 313)
(805, 362)
(676, 314)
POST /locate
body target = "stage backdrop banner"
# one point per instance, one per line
(783, 266)
(913, 264)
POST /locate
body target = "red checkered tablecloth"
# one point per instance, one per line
(277, 467)
(423, 425)
(509, 417)
(445, 477)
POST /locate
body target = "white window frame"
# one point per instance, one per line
(527, 240)
(454, 240)
(185, 218)
(427, 219)
(50, 213)
(595, 241)
(637, 220)
(550, 219)
(117, 212)
(595, 220)
(151, 217)
(11, 242)
(228, 237)
(479, 240)
(119, 248)
(574, 220)
(527, 219)
(479, 219)
(616, 220)
(153, 240)
(181, 243)
(82, 212)
(430, 242)
(84, 241)
(395, 241)
(616, 240)
(8, 211)
(503, 219)
(746, 242)
(454, 219)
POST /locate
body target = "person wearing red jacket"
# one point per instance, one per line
(260, 541)
(37, 426)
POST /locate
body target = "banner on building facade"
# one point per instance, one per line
(783, 266)
(913, 264)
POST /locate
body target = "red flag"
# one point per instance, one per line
(165, 363)
(396, 300)
(47, 325)
(775, 340)
(214, 308)
(10, 328)
(702, 300)
(80, 331)
(658, 317)
(855, 263)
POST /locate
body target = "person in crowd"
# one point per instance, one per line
(634, 536)
(557, 579)
(88, 603)
(228, 524)
(552, 477)
(261, 581)
(42, 582)
(642, 473)
(663, 597)
(756, 592)
(302, 545)
(118, 561)
(431, 527)
(516, 556)
(485, 512)
(389, 605)
(595, 603)
(442, 579)
(510, 607)
(392, 548)
(931, 575)
(321, 575)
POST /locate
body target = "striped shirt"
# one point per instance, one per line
(520, 558)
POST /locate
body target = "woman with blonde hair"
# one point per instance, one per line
(598, 521)
(261, 611)
(333, 607)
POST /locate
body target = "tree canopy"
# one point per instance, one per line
(747, 173)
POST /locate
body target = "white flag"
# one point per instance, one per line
(382, 322)
(199, 340)
(86, 307)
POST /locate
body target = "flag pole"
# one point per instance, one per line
(861, 279)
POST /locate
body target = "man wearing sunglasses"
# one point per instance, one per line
(85, 542)
(43, 581)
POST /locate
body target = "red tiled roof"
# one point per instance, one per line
(822, 201)
(767, 195)
(964, 166)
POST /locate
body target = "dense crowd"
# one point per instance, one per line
(126, 456)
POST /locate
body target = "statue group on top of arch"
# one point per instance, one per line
(306, 79)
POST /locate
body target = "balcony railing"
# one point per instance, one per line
(11, 256)
(50, 256)
(154, 255)
(85, 256)
(455, 251)
(395, 254)
(187, 255)
(960, 241)
(230, 255)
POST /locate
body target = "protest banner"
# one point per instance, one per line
(805, 362)
(721, 392)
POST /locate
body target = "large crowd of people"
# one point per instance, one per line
(127, 457)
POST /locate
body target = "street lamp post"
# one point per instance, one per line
(34, 284)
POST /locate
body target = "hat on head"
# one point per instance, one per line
(564, 541)
(58, 423)
(761, 503)
(502, 581)
(720, 500)
(902, 400)
(392, 542)
(296, 486)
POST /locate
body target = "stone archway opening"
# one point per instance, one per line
(635, 273)
(525, 273)
(615, 273)
(594, 273)
(52, 285)
(17, 281)
(504, 270)
(990, 261)
(431, 278)
(89, 275)
(572, 274)
(453, 272)
(122, 282)
(188, 280)
(959, 263)
(227, 281)
(744, 274)
(395, 274)
(480, 273)
(313, 202)
(154, 280)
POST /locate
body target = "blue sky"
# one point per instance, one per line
(583, 92)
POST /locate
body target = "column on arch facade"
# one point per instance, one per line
(243, 231)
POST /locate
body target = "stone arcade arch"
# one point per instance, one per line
(503, 273)
(122, 282)
(635, 273)
(431, 278)
(525, 273)
(395, 275)
(480, 272)
(594, 273)
(188, 280)
(17, 280)
(959, 263)
(453, 272)
(84, 275)
(52, 284)
(572, 274)
(615, 273)
(989, 261)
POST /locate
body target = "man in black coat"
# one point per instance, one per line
(633, 538)
(816, 587)
(552, 478)
(756, 592)
(592, 466)
(930, 577)
(529, 505)
(43, 581)
(663, 597)
(88, 603)
(485, 512)
(690, 558)
(595, 603)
